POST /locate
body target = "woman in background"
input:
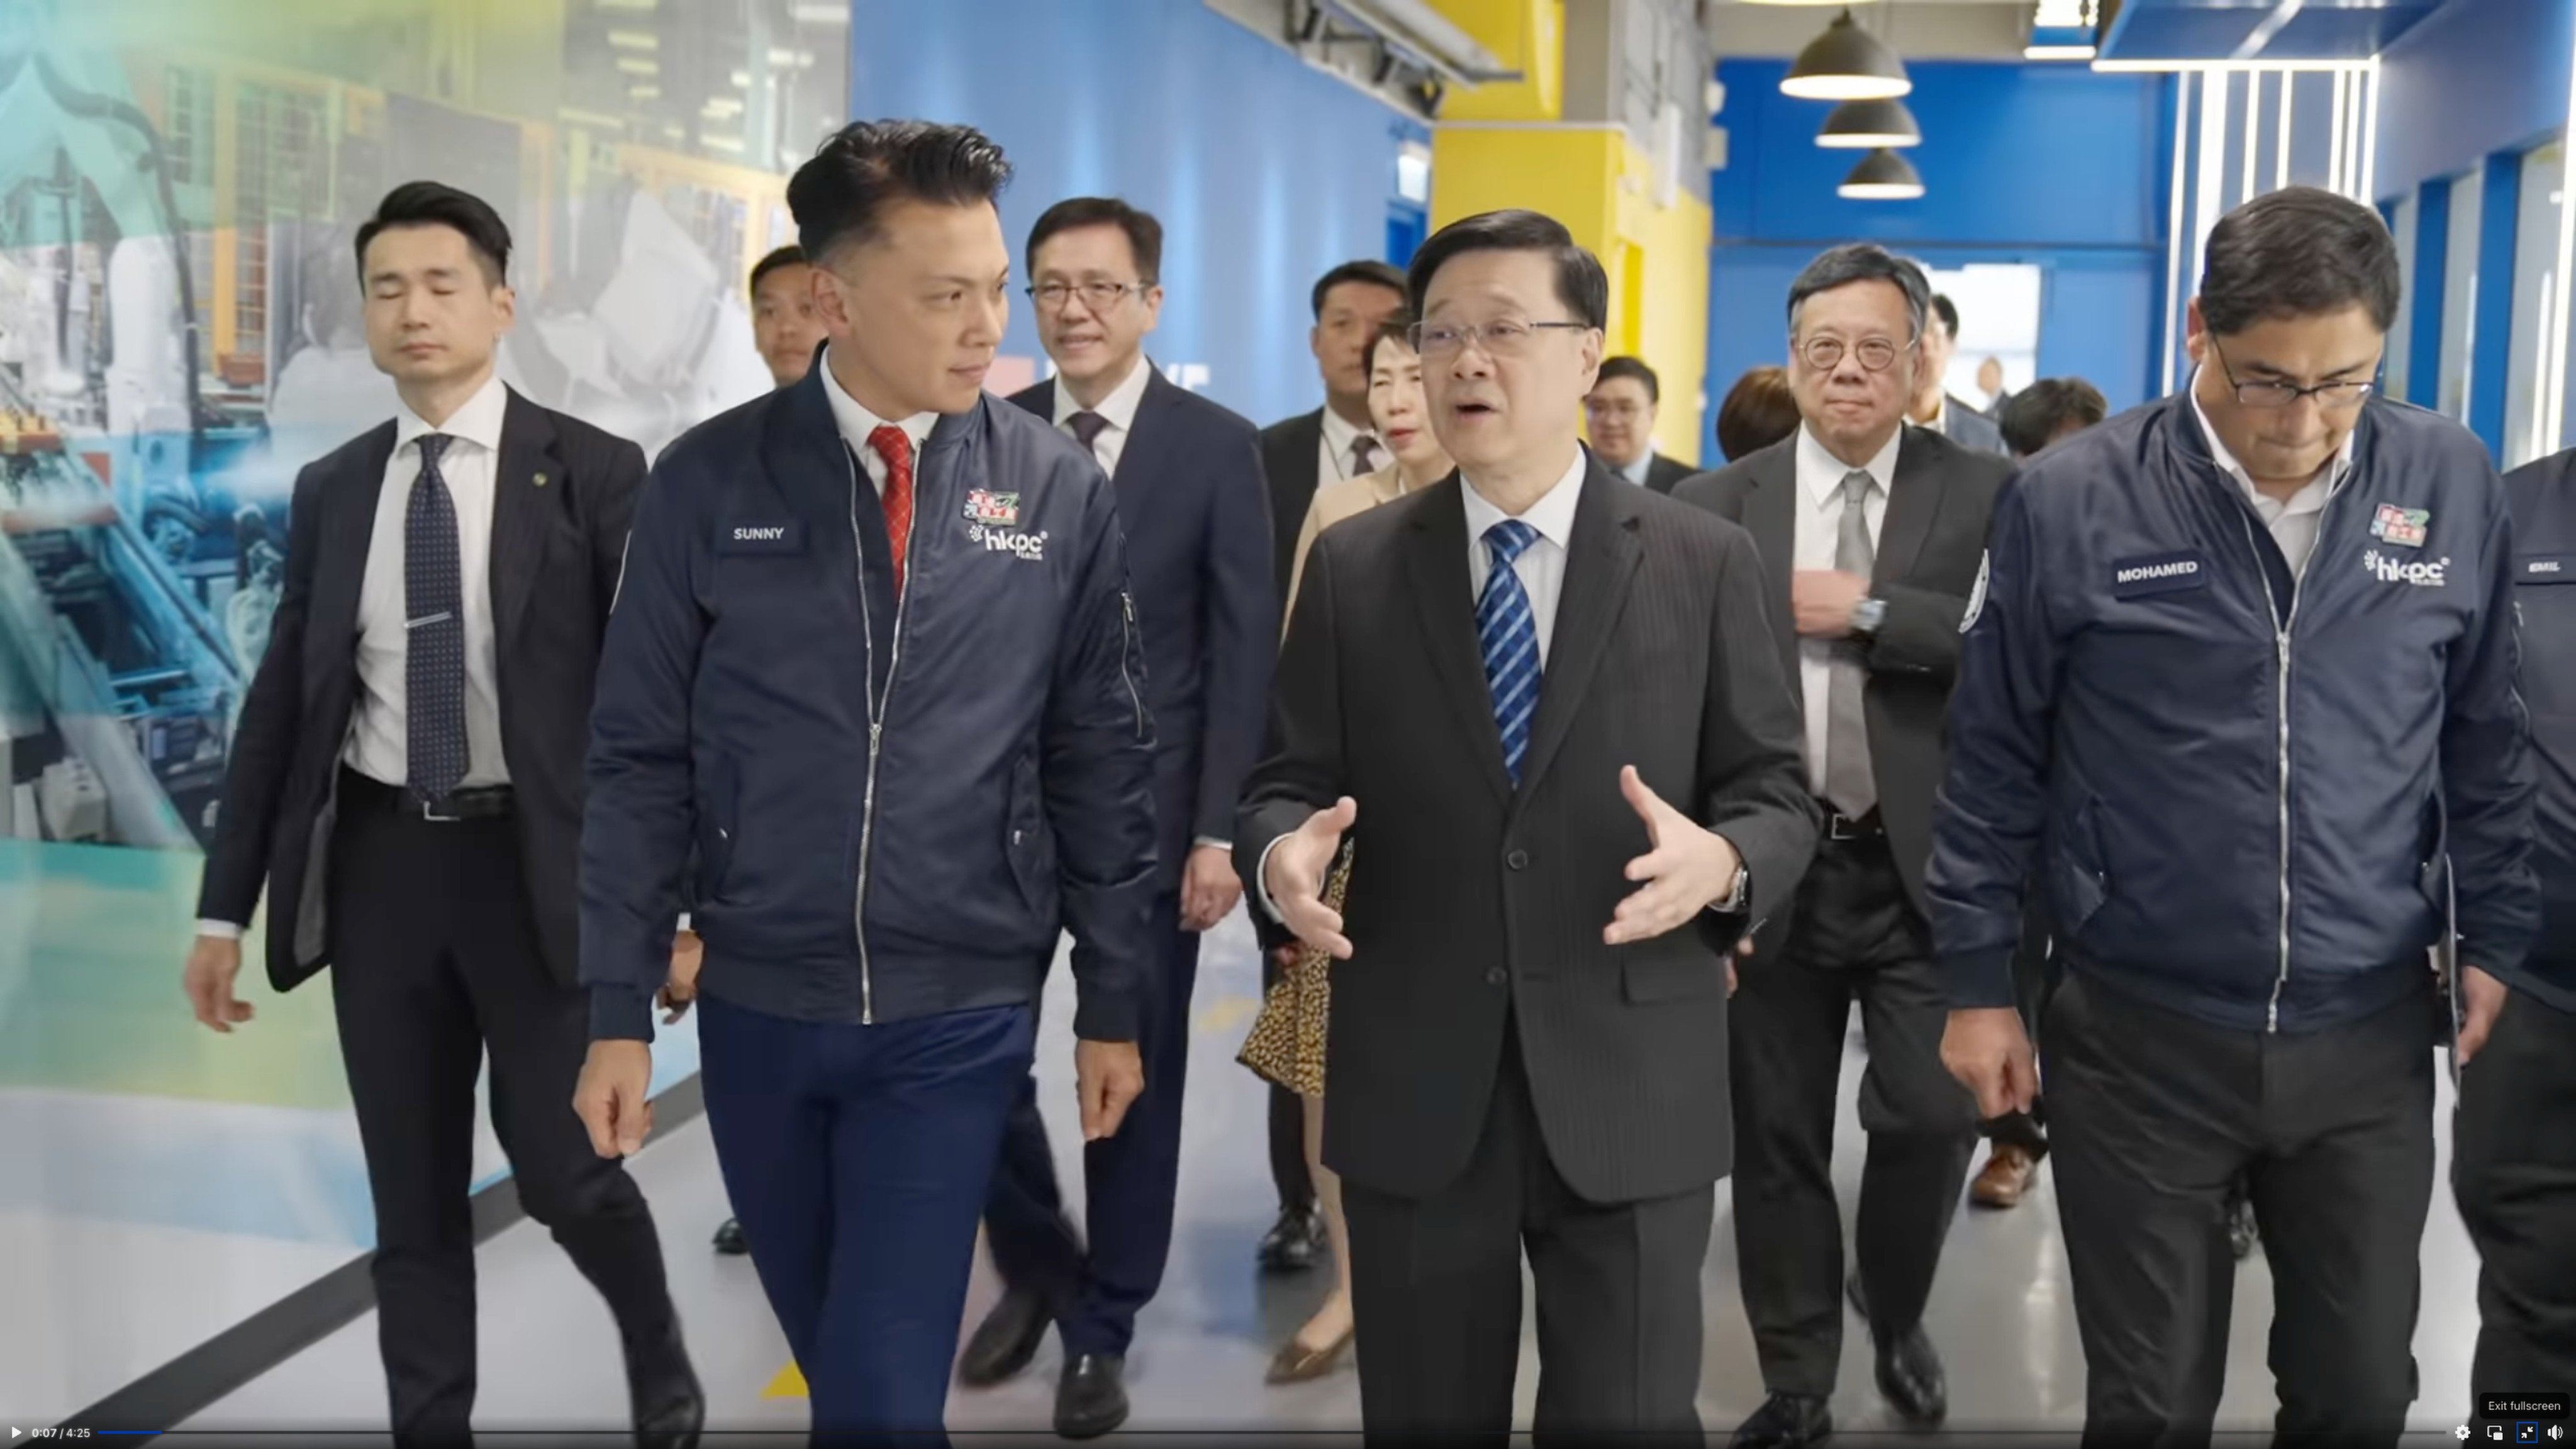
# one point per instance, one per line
(1287, 1041)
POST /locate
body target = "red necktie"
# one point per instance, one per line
(895, 446)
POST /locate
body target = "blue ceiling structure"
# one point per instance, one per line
(2267, 31)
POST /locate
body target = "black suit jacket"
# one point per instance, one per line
(1289, 459)
(1470, 898)
(1931, 543)
(1199, 565)
(563, 492)
(1663, 473)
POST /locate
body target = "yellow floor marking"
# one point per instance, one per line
(790, 1384)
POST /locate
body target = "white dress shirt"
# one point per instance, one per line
(856, 422)
(1541, 566)
(1333, 454)
(1819, 529)
(1118, 410)
(2295, 521)
(1636, 472)
(379, 745)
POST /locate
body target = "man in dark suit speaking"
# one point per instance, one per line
(1549, 700)
(1870, 533)
(1188, 479)
(406, 781)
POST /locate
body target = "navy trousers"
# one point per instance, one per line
(1128, 1180)
(857, 1158)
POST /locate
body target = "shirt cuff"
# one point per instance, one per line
(621, 1013)
(1981, 980)
(1205, 842)
(220, 930)
(684, 920)
(1261, 883)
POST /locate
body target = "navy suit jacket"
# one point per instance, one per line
(1197, 517)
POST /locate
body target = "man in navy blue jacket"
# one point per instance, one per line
(2513, 1150)
(2238, 687)
(874, 656)
(1188, 478)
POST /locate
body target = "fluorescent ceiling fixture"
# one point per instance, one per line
(634, 40)
(1881, 176)
(639, 65)
(1794, 4)
(1846, 63)
(783, 59)
(722, 143)
(822, 14)
(2230, 67)
(589, 118)
(644, 93)
(722, 108)
(2057, 52)
(2064, 14)
(1869, 126)
(742, 78)
(626, 4)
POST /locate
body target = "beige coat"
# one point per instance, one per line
(1333, 503)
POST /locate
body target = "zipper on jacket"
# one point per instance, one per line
(2282, 620)
(1126, 650)
(877, 709)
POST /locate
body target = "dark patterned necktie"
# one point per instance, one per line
(1087, 428)
(433, 631)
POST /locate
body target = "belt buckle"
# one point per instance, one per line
(429, 811)
(1841, 827)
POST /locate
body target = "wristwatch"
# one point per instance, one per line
(1868, 614)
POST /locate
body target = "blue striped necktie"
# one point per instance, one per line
(1507, 633)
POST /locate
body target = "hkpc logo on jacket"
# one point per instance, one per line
(2422, 573)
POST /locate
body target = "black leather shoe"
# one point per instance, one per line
(1006, 1340)
(729, 1239)
(1909, 1374)
(1786, 1421)
(670, 1408)
(1091, 1398)
(1293, 1242)
(1858, 1298)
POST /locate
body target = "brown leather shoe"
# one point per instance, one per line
(2005, 1177)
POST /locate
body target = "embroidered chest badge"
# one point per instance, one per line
(2400, 527)
(985, 506)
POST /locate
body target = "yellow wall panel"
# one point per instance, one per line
(1528, 36)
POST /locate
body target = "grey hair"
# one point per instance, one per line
(1862, 262)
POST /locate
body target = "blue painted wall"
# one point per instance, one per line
(1264, 173)
(2048, 165)
(2481, 76)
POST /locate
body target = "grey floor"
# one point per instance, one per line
(2000, 1313)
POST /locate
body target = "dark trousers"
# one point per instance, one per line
(2513, 1170)
(436, 962)
(1855, 937)
(1437, 1282)
(1128, 1180)
(857, 1158)
(2152, 1116)
(2034, 977)
(1287, 1128)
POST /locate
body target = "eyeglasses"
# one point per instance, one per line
(1507, 338)
(1876, 354)
(1098, 296)
(2335, 395)
(1613, 411)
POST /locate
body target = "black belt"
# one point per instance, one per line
(487, 802)
(1839, 826)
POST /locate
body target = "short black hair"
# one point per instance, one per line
(1398, 327)
(786, 256)
(1144, 233)
(1862, 262)
(1581, 285)
(1614, 368)
(2300, 252)
(1949, 312)
(1367, 273)
(432, 203)
(839, 198)
(2032, 418)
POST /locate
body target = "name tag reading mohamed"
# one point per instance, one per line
(2159, 573)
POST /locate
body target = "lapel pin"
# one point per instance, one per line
(541, 480)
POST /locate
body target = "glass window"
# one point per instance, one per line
(2460, 296)
(1998, 320)
(2401, 336)
(2535, 298)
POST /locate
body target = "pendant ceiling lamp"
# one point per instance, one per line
(1882, 176)
(1870, 126)
(1846, 63)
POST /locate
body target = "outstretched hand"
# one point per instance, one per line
(1295, 873)
(1688, 870)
